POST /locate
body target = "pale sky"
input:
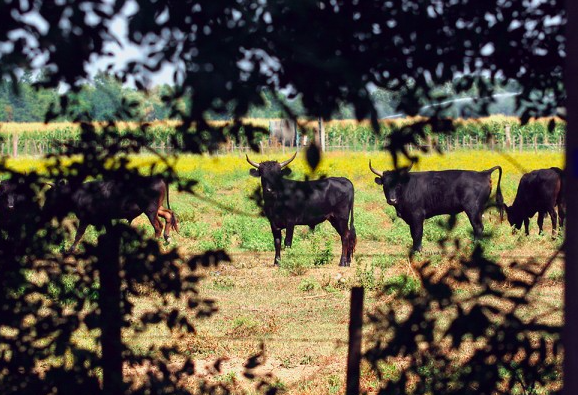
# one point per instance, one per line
(122, 55)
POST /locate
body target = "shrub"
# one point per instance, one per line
(402, 285)
(222, 238)
(385, 261)
(295, 261)
(243, 326)
(321, 250)
(365, 276)
(223, 283)
(308, 284)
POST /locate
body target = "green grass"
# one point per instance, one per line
(308, 297)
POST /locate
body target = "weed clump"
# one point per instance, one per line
(402, 285)
(308, 253)
(308, 285)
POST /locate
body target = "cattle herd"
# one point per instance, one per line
(415, 196)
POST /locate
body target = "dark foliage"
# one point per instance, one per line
(491, 345)
(330, 54)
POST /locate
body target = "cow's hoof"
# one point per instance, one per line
(168, 239)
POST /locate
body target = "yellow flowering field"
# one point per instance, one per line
(353, 165)
(347, 164)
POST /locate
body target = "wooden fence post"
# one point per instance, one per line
(321, 135)
(569, 339)
(15, 145)
(354, 350)
(109, 300)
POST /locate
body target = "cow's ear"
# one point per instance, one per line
(254, 172)
(285, 171)
(378, 181)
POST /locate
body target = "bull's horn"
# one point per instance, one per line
(251, 162)
(283, 164)
(410, 166)
(373, 170)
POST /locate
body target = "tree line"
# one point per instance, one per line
(102, 98)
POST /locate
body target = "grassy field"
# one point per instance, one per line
(300, 311)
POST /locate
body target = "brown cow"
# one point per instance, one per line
(99, 202)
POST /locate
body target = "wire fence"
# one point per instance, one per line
(15, 145)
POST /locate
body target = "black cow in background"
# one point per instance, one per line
(11, 195)
(288, 203)
(99, 202)
(539, 191)
(16, 202)
(420, 195)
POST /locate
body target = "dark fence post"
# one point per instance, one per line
(110, 307)
(354, 351)
(569, 338)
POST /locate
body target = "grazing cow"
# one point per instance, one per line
(99, 202)
(539, 191)
(420, 195)
(288, 203)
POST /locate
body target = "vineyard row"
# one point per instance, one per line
(493, 132)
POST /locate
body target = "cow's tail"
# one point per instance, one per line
(174, 220)
(352, 235)
(499, 196)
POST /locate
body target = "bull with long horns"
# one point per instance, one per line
(420, 195)
(288, 203)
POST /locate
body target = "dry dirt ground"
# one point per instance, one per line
(302, 320)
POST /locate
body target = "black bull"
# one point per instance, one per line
(288, 203)
(420, 195)
(99, 202)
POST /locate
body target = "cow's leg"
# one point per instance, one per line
(554, 219)
(155, 222)
(475, 218)
(79, 233)
(416, 228)
(351, 242)
(527, 226)
(541, 215)
(277, 241)
(168, 216)
(341, 228)
(289, 234)
(561, 214)
(345, 259)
